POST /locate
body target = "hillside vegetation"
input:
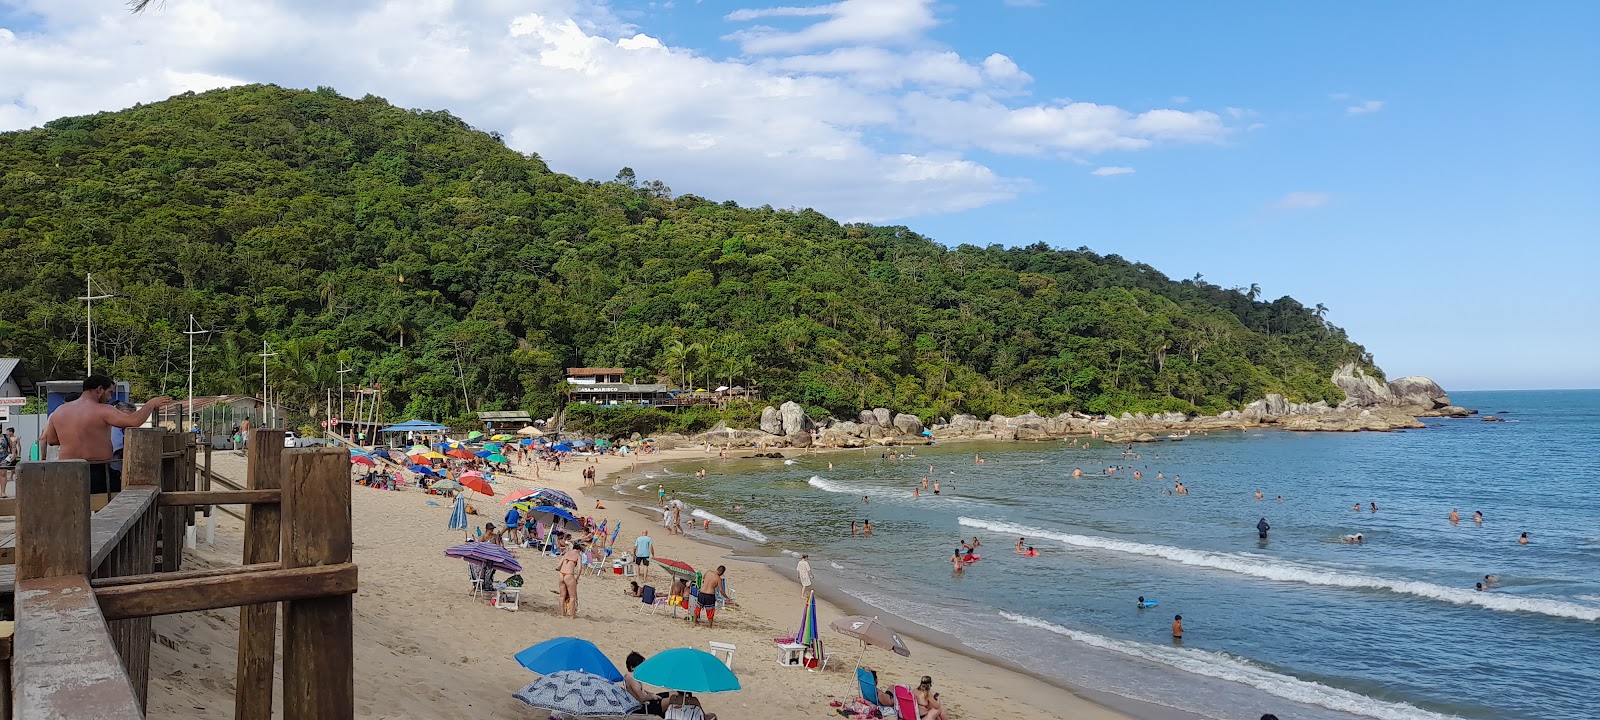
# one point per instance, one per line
(463, 275)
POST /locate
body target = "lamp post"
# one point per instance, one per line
(266, 407)
(342, 371)
(183, 425)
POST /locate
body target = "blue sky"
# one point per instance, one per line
(1429, 171)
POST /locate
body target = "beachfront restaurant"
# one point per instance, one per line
(604, 386)
(508, 421)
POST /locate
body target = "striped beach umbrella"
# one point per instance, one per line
(486, 554)
(554, 497)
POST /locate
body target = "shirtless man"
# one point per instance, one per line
(83, 430)
(571, 562)
(936, 488)
(708, 600)
(1455, 517)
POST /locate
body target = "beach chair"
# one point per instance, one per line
(476, 593)
(868, 688)
(905, 703)
(722, 647)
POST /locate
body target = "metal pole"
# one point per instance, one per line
(266, 406)
(342, 371)
(183, 425)
(88, 333)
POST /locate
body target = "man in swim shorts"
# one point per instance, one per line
(708, 596)
(641, 554)
(83, 426)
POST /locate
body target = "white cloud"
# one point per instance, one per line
(851, 22)
(1110, 170)
(1302, 201)
(1180, 100)
(864, 129)
(1369, 106)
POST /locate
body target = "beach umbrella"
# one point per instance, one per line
(562, 447)
(870, 632)
(423, 469)
(497, 458)
(362, 460)
(555, 497)
(476, 484)
(602, 442)
(520, 496)
(358, 452)
(446, 485)
(383, 453)
(577, 693)
(483, 453)
(807, 635)
(687, 670)
(474, 435)
(548, 510)
(501, 437)
(676, 568)
(568, 653)
(530, 431)
(486, 554)
(417, 449)
(492, 446)
(431, 455)
(616, 532)
(460, 453)
(525, 442)
(458, 516)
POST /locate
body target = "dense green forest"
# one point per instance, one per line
(463, 275)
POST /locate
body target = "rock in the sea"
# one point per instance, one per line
(908, 424)
(798, 439)
(1277, 405)
(793, 417)
(1418, 391)
(885, 418)
(771, 422)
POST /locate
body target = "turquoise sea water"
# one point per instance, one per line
(1301, 624)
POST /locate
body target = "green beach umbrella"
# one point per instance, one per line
(492, 446)
(474, 435)
(497, 458)
(446, 485)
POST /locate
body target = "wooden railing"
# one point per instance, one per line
(87, 585)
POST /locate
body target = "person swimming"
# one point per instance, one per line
(1455, 517)
(1479, 587)
(1523, 540)
(1477, 516)
(1031, 552)
(1374, 507)
(1491, 579)
(1020, 542)
(1357, 538)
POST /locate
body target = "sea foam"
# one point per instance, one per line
(731, 525)
(1270, 569)
(1228, 667)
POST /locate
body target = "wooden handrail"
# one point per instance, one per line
(168, 597)
(58, 678)
(220, 497)
(111, 523)
(98, 583)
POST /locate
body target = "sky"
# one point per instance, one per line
(1429, 171)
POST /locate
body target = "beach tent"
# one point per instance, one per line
(415, 425)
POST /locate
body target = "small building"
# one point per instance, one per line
(591, 376)
(504, 420)
(10, 383)
(619, 393)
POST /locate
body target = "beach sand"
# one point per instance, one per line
(424, 649)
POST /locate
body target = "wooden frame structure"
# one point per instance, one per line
(87, 585)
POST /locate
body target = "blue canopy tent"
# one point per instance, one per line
(415, 425)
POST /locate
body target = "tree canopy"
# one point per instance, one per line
(463, 276)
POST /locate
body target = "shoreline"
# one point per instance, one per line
(836, 599)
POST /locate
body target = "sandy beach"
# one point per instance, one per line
(424, 649)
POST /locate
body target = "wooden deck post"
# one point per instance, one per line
(171, 525)
(64, 659)
(141, 467)
(318, 634)
(205, 484)
(258, 624)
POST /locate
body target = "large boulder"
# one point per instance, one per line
(885, 418)
(1277, 405)
(965, 425)
(837, 437)
(794, 418)
(1361, 389)
(771, 422)
(868, 417)
(1418, 391)
(799, 439)
(908, 424)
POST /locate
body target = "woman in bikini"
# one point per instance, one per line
(570, 562)
(928, 707)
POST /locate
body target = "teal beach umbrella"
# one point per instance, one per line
(687, 670)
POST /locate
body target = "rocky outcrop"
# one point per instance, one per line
(799, 439)
(793, 417)
(1360, 389)
(908, 424)
(1418, 391)
(771, 421)
(868, 417)
(884, 417)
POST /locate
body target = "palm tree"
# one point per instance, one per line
(1254, 292)
(1321, 310)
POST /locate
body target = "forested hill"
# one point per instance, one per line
(453, 270)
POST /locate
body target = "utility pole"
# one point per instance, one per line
(183, 425)
(266, 407)
(88, 334)
(342, 371)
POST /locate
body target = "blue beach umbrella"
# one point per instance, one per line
(568, 653)
(554, 497)
(562, 447)
(458, 516)
(552, 511)
(423, 469)
(687, 670)
(380, 452)
(483, 453)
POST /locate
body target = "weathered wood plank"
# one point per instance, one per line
(169, 597)
(8, 506)
(108, 582)
(258, 624)
(112, 523)
(172, 528)
(318, 634)
(220, 497)
(53, 527)
(65, 665)
(136, 553)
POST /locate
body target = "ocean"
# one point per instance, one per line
(1300, 624)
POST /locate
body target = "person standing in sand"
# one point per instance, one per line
(571, 561)
(677, 517)
(803, 568)
(641, 554)
(83, 430)
(708, 597)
